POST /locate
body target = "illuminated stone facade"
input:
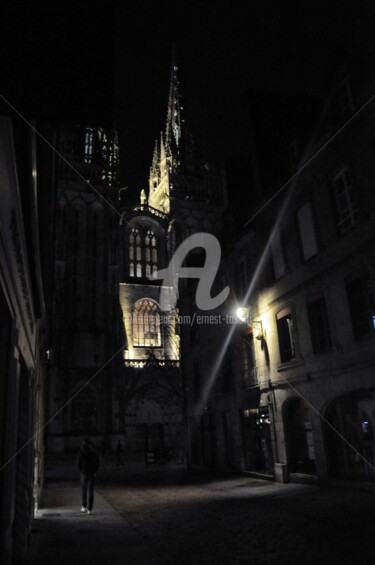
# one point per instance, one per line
(184, 197)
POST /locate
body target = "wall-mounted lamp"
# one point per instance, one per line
(243, 316)
(258, 327)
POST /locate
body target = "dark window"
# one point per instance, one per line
(285, 333)
(196, 381)
(319, 324)
(277, 254)
(242, 278)
(362, 307)
(344, 202)
(250, 373)
(227, 373)
(307, 231)
(293, 155)
(344, 97)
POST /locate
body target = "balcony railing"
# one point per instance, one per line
(143, 363)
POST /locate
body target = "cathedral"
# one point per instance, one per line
(116, 362)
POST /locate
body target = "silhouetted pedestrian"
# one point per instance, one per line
(119, 460)
(88, 464)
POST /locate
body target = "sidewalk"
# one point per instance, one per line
(170, 516)
(62, 534)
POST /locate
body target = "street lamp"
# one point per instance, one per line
(244, 316)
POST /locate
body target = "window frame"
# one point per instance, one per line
(305, 214)
(137, 323)
(350, 212)
(362, 325)
(283, 330)
(143, 251)
(318, 346)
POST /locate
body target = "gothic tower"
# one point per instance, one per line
(186, 195)
(86, 280)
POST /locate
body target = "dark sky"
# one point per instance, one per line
(109, 61)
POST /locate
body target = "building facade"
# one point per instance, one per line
(299, 400)
(24, 335)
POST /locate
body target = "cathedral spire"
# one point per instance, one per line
(155, 159)
(162, 148)
(173, 127)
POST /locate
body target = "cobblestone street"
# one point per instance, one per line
(244, 520)
(159, 515)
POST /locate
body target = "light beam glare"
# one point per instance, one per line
(213, 374)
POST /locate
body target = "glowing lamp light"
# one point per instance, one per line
(242, 314)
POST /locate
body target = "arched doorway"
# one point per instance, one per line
(299, 437)
(352, 416)
(144, 420)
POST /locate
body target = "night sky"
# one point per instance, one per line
(105, 63)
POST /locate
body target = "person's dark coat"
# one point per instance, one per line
(88, 460)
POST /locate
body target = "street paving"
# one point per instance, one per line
(244, 520)
(164, 516)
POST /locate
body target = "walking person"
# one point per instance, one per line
(119, 460)
(88, 464)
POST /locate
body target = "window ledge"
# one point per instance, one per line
(292, 364)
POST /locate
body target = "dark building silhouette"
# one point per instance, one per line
(26, 232)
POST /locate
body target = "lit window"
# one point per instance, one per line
(89, 144)
(146, 324)
(345, 207)
(135, 253)
(285, 331)
(144, 252)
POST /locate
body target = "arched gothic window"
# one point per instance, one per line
(143, 253)
(135, 253)
(89, 144)
(151, 252)
(146, 324)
